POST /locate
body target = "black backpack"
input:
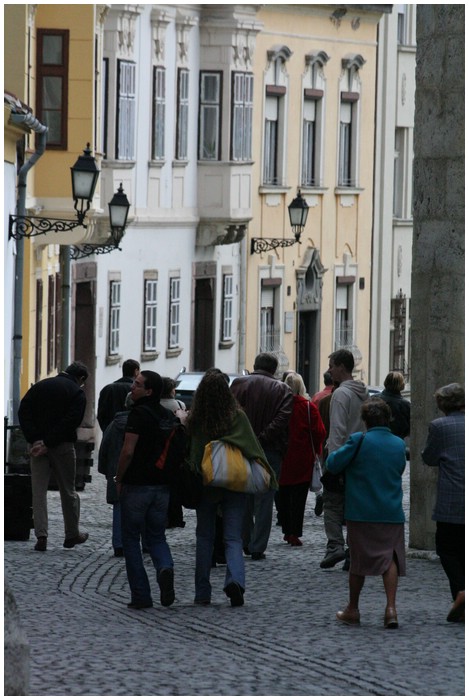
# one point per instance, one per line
(170, 443)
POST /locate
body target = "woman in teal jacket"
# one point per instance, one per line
(373, 463)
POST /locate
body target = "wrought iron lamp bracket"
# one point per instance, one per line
(29, 226)
(262, 245)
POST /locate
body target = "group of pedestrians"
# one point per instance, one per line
(276, 423)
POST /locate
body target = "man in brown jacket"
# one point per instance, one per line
(268, 404)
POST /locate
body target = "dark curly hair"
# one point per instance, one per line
(213, 407)
(376, 412)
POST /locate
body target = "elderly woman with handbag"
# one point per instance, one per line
(306, 433)
(373, 463)
(216, 416)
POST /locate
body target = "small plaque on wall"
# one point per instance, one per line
(289, 321)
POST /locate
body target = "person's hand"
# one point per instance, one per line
(38, 448)
(181, 414)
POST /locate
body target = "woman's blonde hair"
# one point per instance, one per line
(394, 382)
(296, 384)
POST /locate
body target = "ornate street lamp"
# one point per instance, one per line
(298, 214)
(118, 211)
(84, 178)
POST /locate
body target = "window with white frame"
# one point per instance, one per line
(105, 106)
(350, 87)
(125, 147)
(242, 107)
(275, 108)
(227, 308)
(402, 24)
(174, 311)
(344, 330)
(114, 316)
(150, 313)
(269, 328)
(159, 107)
(182, 114)
(313, 105)
(210, 115)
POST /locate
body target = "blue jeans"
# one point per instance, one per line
(259, 508)
(232, 507)
(144, 509)
(116, 526)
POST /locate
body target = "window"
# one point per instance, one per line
(149, 331)
(105, 105)
(52, 84)
(269, 331)
(242, 106)
(275, 108)
(126, 111)
(343, 316)
(51, 325)
(38, 353)
(350, 87)
(159, 98)
(174, 309)
(227, 312)
(210, 116)
(114, 316)
(402, 33)
(273, 137)
(400, 174)
(313, 105)
(182, 114)
(398, 361)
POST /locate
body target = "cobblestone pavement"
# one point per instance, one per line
(284, 641)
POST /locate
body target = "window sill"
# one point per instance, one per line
(113, 359)
(225, 344)
(313, 189)
(342, 189)
(149, 356)
(273, 189)
(180, 163)
(123, 164)
(173, 352)
(156, 163)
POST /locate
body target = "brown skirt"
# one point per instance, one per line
(373, 547)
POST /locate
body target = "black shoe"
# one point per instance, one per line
(319, 507)
(331, 560)
(246, 551)
(139, 606)
(41, 544)
(118, 552)
(166, 584)
(256, 556)
(79, 539)
(235, 593)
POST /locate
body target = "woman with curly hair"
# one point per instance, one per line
(216, 415)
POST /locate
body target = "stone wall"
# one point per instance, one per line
(437, 307)
(16, 649)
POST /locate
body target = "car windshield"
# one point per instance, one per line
(188, 382)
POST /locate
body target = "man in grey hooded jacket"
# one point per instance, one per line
(345, 419)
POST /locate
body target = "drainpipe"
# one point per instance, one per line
(35, 125)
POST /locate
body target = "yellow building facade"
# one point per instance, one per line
(50, 67)
(314, 107)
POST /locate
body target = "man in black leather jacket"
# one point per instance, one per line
(112, 396)
(268, 404)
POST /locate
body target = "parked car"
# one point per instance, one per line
(187, 383)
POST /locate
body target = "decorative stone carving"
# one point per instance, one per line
(219, 233)
(184, 25)
(159, 22)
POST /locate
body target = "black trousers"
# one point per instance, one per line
(450, 545)
(291, 503)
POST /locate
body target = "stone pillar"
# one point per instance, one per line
(437, 306)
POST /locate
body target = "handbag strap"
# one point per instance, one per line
(310, 432)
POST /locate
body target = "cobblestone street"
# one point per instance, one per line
(284, 641)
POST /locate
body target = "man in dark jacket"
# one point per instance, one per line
(268, 403)
(112, 396)
(49, 415)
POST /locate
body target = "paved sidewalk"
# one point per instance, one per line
(284, 641)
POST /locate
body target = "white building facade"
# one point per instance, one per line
(392, 218)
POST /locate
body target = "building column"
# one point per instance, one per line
(437, 313)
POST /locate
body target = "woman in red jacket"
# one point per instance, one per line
(306, 431)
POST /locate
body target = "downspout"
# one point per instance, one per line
(35, 125)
